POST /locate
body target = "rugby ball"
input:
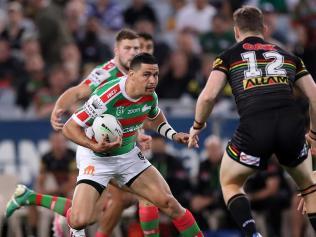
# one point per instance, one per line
(106, 126)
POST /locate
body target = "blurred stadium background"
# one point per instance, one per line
(46, 46)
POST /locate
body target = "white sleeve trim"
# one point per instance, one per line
(78, 121)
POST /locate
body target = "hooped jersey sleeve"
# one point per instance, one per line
(96, 104)
(155, 110)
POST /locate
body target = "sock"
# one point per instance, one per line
(312, 219)
(59, 205)
(187, 225)
(100, 234)
(239, 208)
(149, 220)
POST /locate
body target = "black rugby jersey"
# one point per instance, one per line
(260, 74)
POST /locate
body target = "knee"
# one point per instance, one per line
(128, 200)
(79, 219)
(167, 201)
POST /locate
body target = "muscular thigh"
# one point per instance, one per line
(150, 185)
(85, 198)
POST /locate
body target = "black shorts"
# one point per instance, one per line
(280, 132)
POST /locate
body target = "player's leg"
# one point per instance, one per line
(114, 202)
(148, 217)
(302, 175)
(151, 185)
(84, 209)
(232, 178)
(24, 196)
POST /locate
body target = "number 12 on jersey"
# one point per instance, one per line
(273, 68)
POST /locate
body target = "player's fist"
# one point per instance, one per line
(56, 119)
(104, 145)
(181, 137)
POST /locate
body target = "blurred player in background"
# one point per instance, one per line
(262, 77)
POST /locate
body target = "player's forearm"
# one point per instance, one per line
(72, 96)
(204, 107)
(75, 133)
(312, 114)
(161, 125)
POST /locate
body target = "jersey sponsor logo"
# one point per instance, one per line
(132, 128)
(258, 46)
(145, 108)
(264, 81)
(109, 65)
(111, 93)
(249, 160)
(133, 111)
(120, 111)
(89, 170)
(98, 75)
(94, 106)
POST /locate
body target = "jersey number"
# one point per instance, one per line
(273, 68)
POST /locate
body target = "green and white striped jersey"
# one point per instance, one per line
(111, 98)
(110, 72)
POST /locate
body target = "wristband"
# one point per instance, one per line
(166, 130)
(200, 125)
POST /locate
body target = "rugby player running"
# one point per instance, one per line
(126, 47)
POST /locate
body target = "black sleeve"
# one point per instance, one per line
(300, 69)
(221, 63)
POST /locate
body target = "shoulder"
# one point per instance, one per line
(109, 65)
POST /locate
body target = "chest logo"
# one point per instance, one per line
(145, 108)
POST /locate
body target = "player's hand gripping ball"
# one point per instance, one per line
(107, 126)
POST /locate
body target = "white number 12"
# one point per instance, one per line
(273, 68)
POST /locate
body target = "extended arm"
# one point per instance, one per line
(205, 104)
(161, 125)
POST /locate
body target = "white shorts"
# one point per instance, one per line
(121, 168)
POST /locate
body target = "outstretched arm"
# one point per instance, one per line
(161, 125)
(205, 104)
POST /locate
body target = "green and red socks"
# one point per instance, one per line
(187, 225)
(149, 220)
(59, 205)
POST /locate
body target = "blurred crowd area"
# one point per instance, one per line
(46, 46)
(49, 46)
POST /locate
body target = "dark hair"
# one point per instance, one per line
(249, 19)
(145, 36)
(145, 58)
(126, 34)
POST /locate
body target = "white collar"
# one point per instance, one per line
(122, 84)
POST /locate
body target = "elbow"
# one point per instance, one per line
(208, 99)
(65, 131)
